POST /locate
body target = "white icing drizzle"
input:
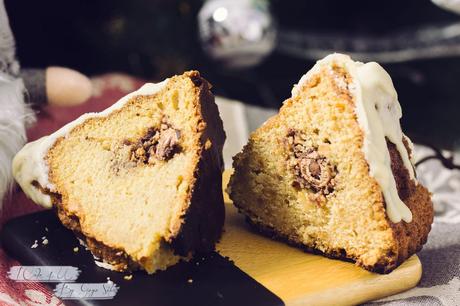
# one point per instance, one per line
(411, 149)
(29, 164)
(378, 113)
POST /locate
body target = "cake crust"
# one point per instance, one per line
(202, 225)
(410, 237)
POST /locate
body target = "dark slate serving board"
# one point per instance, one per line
(216, 280)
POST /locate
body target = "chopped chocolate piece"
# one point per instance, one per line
(311, 169)
(157, 144)
(167, 144)
(315, 169)
(127, 142)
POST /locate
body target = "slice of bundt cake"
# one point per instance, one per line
(139, 183)
(332, 172)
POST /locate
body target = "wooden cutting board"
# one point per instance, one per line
(299, 278)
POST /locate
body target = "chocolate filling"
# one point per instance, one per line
(311, 169)
(157, 144)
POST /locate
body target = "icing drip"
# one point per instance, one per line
(378, 112)
(29, 164)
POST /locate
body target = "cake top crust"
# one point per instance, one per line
(378, 113)
(30, 168)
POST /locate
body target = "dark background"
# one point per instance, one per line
(154, 39)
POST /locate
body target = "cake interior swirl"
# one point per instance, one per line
(140, 183)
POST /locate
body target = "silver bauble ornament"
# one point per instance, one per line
(237, 33)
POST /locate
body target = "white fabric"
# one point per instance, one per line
(14, 113)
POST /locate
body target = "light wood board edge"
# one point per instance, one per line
(404, 278)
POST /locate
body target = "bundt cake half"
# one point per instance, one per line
(139, 183)
(332, 171)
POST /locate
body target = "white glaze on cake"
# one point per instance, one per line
(378, 113)
(29, 164)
